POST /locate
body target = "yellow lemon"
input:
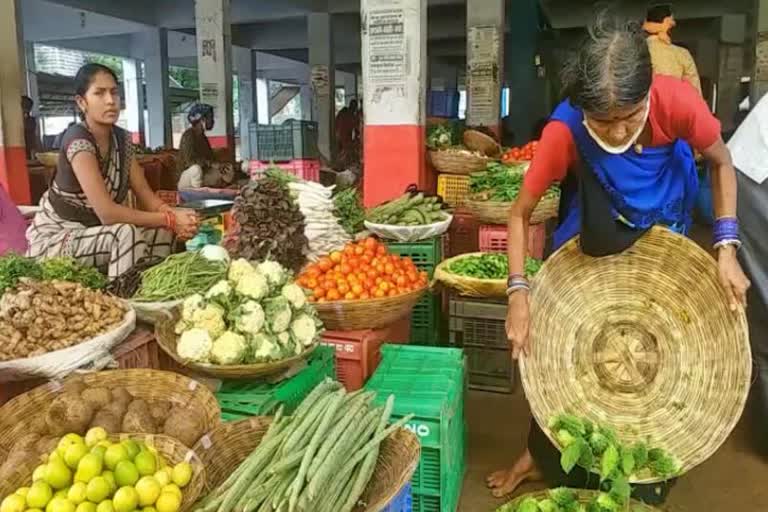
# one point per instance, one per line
(98, 489)
(125, 500)
(90, 467)
(60, 505)
(39, 473)
(162, 478)
(94, 436)
(182, 474)
(77, 493)
(168, 502)
(115, 454)
(22, 491)
(86, 506)
(149, 490)
(13, 503)
(105, 506)
(58, 475)
(110, 478)
(173, 489)
(126, 474)
(39, 495)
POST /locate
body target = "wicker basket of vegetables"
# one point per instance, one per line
(641, 329)
(476, 140)
(363, 286)
(568, 500)
(254, 322)
(480, 274)
(353, 461)
(409, 218)
(458, 160)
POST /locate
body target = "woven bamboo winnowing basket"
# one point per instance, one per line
(167, 339)
(470, 286)
(458, 161)
(225, 448)
(169, 448)
(497, 212)
(643, 341)
(354, 315)
(584, 497)
(21, 415)
(48, 159)
(485, 144)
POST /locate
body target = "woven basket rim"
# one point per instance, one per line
(403, 297)
(476, 140)
(714, 389)
(443, 266)
(583, 495)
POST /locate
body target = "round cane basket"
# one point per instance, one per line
(169, 448)
(224, 449)
(167, 339)
(644, 341)
(353, 315)
(453, 161)
(478, 141)
(470, 286)
(26, 413)
(584, 498)
(48, 159)
(497, 212)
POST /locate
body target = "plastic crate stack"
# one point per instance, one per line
(429, 382)
(427, 325)
(493, 238)
(305, 169)
(477, 326)
(240, 399)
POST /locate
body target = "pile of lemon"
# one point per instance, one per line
(92, 474)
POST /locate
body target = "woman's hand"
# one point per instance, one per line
(732, 277)
(187, 223)
(518, 322)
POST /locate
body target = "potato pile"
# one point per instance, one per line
(39, 317)
(79, 408)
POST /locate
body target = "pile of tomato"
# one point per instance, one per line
(362, 270)
(521, 154)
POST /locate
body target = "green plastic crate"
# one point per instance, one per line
(239, 399)
(288, 141)
(426, 254)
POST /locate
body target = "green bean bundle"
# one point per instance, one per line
(180, 276)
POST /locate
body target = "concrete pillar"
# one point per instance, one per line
(159, 131)
(14, 175)
(760, 78)
(243, 66)
(323, 80)
(306, 102)
(485, 62)
(134, 99)
(214, 67)
(394, 48)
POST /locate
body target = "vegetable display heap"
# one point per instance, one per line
(93, 474)
(363, 270)
(410, 209)
(349, 209)
(255, 315)
(180, 276)
(14, 267)
(500, 182)
(320, 459)
(524, 153)
(490, 266)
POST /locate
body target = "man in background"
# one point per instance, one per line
(667, 58)
(31, 137)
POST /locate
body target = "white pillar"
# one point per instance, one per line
(214, 67)
(485, 62)
(159, 131)
(134, 99)
(323, 79)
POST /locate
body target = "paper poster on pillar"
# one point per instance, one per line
(393, 64)
(483, 80)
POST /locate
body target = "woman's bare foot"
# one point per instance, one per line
(505, 482)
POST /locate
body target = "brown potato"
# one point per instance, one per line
(97, 397)
(184, 425)
(68, 413)
(107, 421)
(138, 419)
(160, 411)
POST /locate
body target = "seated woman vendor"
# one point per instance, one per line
(83, 213)
(197, 162)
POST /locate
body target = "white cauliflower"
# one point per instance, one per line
(295, 295)
(274, 272)
(253, 285)
(211, 319)
(251, 319)
(195, 345)
(229, 348)
(304, 329)
(238, 269)
(190, 305)
(220, 291)
(278, 312)
(265, 347)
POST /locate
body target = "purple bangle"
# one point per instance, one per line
(726, 228)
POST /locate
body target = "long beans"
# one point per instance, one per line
(180, 276)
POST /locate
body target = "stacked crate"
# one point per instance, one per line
(429, 382)
(493, 238)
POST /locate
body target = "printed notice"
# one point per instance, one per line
(387, 49)
(483, 82)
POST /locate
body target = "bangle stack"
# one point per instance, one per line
(170, 220)
(726, 232)
(516, 283)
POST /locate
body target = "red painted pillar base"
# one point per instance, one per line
(14, 175)
(394, 158)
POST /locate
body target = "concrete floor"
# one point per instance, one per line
(734, 480)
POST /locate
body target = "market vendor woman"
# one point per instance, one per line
(84, 213)
(620, 145)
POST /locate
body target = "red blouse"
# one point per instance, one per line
(677, 112)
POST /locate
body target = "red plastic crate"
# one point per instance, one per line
(463, 234)
(358, 353)
(493, 238)
(306, 169)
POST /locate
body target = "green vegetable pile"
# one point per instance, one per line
(566, 500)
(349, 210)
(501, 182)
(320, 459)
(14, 267)
(439, 136)
(490, 266)
(410, 209)
(180, 276)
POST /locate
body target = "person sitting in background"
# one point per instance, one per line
(667, 58)
(31, 136)
(197, 162)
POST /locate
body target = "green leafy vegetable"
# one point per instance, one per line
(14, 267)
(68, 269)
(572, 454)
(439, 136)
(501, 182)
(610, 461)
(349, 209)
(490, 266)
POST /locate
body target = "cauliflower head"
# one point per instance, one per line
(195, 345)
(295, 295)
(304, 329)
(251, 319)
(274, 272)
(265, 347)
(211, 319)
(220, 291)
(190, 305)
(238, 269)
(253, 286)
(278, 312)
(229, 348)
(289, 344)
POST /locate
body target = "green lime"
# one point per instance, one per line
(125, 500)
(115, 453)
(126, 474)
(94, 436)
(182, 474)
(77, 493)
(74, 453)
(146, 463)
(58, 475)
(98, 489)
(39, 495)
(131, 447)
